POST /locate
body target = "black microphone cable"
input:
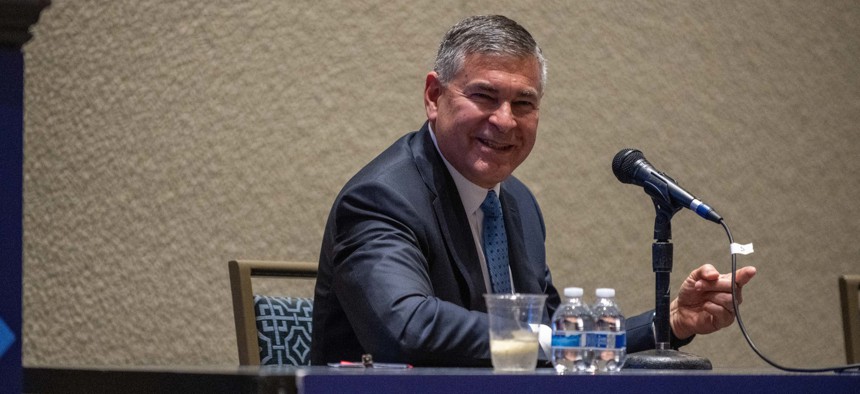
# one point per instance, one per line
(744, 330)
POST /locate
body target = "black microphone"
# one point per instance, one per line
(630, 166)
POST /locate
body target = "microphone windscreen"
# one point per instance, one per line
(624, 164)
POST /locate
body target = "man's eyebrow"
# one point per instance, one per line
(528, 93)
(485, 86)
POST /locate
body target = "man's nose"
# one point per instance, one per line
(503, 117)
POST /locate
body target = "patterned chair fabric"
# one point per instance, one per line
(283, 329)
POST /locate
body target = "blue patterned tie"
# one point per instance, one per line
(496, 244)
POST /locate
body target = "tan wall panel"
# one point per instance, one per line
(164, 138)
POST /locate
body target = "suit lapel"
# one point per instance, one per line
(451, 215)
(522, 275)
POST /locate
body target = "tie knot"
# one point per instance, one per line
(491, 205)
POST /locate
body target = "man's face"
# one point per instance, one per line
(486, 118)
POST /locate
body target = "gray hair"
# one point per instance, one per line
(485, 35)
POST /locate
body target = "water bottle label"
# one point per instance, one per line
(607, 340)
(621, 340)
(596, 340)
(561, 339)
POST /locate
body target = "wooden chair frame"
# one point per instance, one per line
(849, 293)
(241, 272)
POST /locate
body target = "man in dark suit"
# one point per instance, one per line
(403, 268)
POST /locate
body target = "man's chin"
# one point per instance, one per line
(489, 177)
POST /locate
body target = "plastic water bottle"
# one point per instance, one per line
(609, 339)
(571, 325)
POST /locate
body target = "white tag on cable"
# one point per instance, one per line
(742, 249)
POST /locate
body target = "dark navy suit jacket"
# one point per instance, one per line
(399, 275)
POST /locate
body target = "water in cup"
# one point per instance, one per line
(518, 353)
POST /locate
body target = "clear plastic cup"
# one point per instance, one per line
(514, 321)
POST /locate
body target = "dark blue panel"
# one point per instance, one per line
(655, 382)
(311, 380)
(11, 219)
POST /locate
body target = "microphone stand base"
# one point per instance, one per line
(666, 359)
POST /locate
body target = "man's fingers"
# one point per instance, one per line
(721, 317)
(744, 275)
(723, 282)
(705, 272)
(723, 299)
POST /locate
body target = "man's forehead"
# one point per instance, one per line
(525, 69)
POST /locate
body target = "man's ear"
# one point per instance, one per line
(432, 91)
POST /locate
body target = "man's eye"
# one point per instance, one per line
(482, 96)
(525, 104)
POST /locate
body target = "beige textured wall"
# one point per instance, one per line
(164, 138)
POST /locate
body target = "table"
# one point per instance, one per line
(157, 379)
(88, 379)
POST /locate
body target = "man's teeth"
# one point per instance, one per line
(494, 145)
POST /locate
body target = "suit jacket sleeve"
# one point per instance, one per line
(380, 255)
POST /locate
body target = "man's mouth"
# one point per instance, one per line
(495, 145)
